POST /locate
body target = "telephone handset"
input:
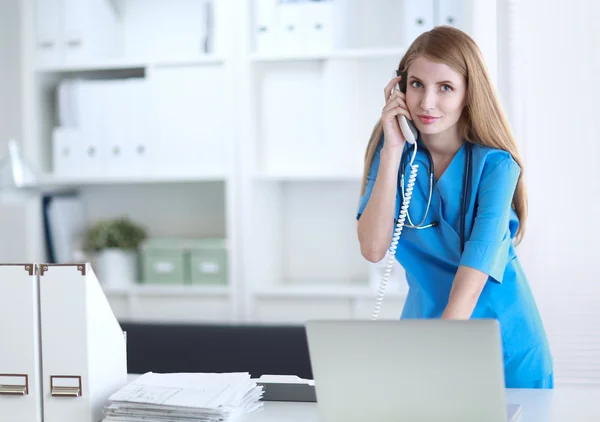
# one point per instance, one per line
(410, 134)
(407, 127)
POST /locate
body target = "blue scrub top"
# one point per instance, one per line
(431, 256)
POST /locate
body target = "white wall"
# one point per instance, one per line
(16, 228)
(559, 90)
(10, 66)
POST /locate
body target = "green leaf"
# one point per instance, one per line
(119, 233)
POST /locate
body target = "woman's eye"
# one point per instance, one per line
(416, 84)
(446, 88)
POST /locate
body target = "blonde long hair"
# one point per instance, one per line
(483, 121)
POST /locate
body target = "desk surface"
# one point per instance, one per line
(559, 405)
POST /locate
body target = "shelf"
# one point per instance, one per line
(168, 290)
(116, 291)
(178, 290)
(306, 177)
(344, 54)
(122, 64)
(49, 180)
(324, 291)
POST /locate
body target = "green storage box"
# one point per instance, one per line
(164, 261)
(208, 261)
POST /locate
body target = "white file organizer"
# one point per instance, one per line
(63, 351)
(84, 357)
(20, 393)
(265, 22)
(294, 27)
(452, 12)
(418, 17)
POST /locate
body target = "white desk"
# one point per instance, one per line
(559, 405)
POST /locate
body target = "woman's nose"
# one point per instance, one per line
(428, 101)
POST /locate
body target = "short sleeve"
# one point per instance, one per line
(370, 182)
(487, 249)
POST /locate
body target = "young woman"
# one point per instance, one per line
(468, 203)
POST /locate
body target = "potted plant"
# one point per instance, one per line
(115, 244)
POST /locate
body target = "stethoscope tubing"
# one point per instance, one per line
(465, 191)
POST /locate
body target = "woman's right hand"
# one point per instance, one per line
(395, 107)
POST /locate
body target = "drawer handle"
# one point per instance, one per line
(10, 385)
(164, 267)
(209, 267)
(66, 387)
(74, 42)
(46, 44)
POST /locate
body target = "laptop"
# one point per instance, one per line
(420, 370)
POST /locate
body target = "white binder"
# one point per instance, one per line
(418, 17)
(316, 26)
(266, 22)
(84, 353)
(452, 12)
(20, 393)
(49, 51)
(90, 30)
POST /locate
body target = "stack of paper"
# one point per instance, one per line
(185, 396)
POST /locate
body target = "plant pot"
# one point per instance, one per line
(116, 267)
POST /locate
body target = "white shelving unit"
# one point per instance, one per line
(340, 54)
(264, 148)
(121, 64)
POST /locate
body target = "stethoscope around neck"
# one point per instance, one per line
(465, 188)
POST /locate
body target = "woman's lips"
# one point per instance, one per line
(427, 120)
